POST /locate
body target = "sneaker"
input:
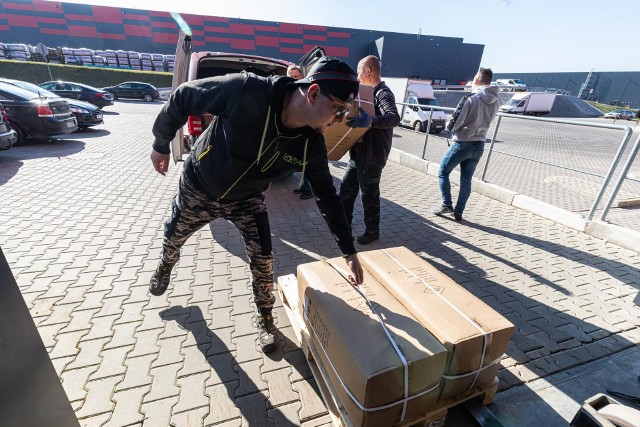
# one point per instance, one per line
(267, 330)
(160, 279)
(306, 194)
(457, 216)
(444, 210)
(296, 190)
(367, 238)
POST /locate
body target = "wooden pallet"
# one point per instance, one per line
(288, 291)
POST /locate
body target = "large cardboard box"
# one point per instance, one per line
(475, 334)
(363, 365)
(339, 138)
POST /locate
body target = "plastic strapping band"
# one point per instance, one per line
(455, 377)
(464, 316)
(360, 290)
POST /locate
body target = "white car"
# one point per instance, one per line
(620, 114)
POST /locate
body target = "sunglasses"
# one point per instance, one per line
(341, 111)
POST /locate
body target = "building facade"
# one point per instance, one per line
(61, 24)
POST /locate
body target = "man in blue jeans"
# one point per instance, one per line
(469, 125)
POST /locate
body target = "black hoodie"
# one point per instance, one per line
(247, 146)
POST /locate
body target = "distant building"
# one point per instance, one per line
(56, 24)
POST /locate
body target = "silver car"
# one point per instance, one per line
(620, 114)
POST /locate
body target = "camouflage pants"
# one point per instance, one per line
(192, 210)
(366, 180)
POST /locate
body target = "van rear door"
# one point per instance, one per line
(310, 58)
(180, 72)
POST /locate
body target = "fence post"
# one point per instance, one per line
(428, 130)
(493, 140)
(607, 179)
(623, 175)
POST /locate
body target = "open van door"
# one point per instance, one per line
(180, 70)
(310, 58)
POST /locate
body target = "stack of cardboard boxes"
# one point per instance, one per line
(403, 344)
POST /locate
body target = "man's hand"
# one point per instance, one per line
(362, 121)
(357, 275)
(160, 162)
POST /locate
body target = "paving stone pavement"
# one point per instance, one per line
(82, 225)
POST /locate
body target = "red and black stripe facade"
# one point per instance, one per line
(61, 24)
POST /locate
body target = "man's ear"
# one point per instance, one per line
(312, 92)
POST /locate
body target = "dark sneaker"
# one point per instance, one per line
(160, 279)
(296, 190)
(444, 210)
(367, 238)
(457, 216)
(306, 194)
(266, 331)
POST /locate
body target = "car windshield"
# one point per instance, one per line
(33, 88)
(513, 102)
(518, 82)
(428, 101)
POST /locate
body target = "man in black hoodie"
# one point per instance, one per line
(264, 129)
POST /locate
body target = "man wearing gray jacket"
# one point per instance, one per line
(469, 125)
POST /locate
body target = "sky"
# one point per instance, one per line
(519, 35)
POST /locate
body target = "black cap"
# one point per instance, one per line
(334, 77)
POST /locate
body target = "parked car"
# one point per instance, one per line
(33, 116)
(8, 136)
(620, 114)
(136, 90)
(82, 92)
(87, 114)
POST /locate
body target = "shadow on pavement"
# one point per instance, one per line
(520, 273)
(92, 132)
(13, 159)
(236, 381)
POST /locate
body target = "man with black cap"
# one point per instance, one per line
(264, 129)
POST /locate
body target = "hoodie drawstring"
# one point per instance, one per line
(304, 163)
(264, 134)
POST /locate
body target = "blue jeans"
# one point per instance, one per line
(467, 155)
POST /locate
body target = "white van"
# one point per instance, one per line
(421, 96)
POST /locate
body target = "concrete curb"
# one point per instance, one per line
(624, 237)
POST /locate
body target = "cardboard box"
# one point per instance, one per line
(339, 138)
(475, 334)
(364, 368)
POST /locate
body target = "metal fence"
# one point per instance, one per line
(593, 151)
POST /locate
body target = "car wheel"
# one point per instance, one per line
(417, 126)
(148, 98)
(22, 137)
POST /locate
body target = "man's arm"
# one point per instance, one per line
(318, 174)
(387, 105)
(460, 114)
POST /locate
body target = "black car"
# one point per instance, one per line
(137, 90)
(8, 136)
(86, 113)
(33, 116)
(80, 91)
